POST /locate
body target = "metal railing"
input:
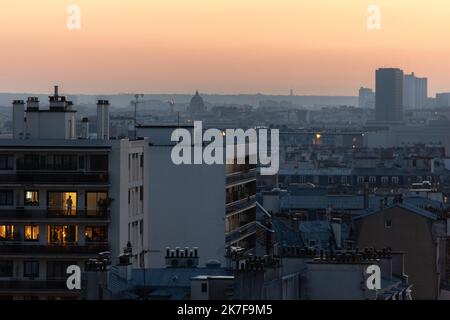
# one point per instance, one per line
(17, 248)
(27, 213)
(241, 176)
(54, 178)
(33, 285)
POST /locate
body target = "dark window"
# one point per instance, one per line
(6, 268)
(142, 160)
(31, 269)
(81, 162)
(99, 163)
(56, 270)
(96, 234)
(6, 162)
(6, 198)
(204, 287)
(96, 202)
(388, 223)
(141, 193)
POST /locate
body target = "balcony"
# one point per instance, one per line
(241, 177)
(25, 285)
(7, 247)
(63, 178)
(28, 214)
(241, 232)
(241, 205)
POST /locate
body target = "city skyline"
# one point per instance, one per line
(314, 48)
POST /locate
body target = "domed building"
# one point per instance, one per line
(197, 105)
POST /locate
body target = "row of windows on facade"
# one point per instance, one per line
(58, 200)
(41, 162)
(56, 270)
(56, 234)
(359, 179)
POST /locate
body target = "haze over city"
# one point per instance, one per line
(174, 46)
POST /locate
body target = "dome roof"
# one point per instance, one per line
(197, 105)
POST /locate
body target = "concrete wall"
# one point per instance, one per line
(186, 207)
(410, 233)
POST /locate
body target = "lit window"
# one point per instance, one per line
(96, 234)
(31, 233)
(6, 232)
(31, 198)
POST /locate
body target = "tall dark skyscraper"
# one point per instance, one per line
(389, 95)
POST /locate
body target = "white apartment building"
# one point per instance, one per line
(64, 200)
(199, 206)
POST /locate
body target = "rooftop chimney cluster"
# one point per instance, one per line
(182, 258)
(296, 251)
(355, 256)
(255, 263)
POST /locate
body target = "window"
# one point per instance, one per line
(56, 270)
(62, 203)
(395, 180)
(6, 268)
(384, 181)
(31, 269)
(372, 179)
(96, 234)
(6, 198)
(7, 232)
(32, 198)
(99, 163)
(96, 203)
(388, 223)
(31, 233)
(204, 287)
(360, 180)
(141, 193)
(344, 180)
(6, 162)
(142, 160)
(58, 234)
(312, 243)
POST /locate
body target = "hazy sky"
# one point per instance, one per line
(220, 46)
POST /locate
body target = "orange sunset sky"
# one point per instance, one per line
(220, 46)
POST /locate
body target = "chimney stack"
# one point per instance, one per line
(85, 128)
(18, 119)
(103, 119)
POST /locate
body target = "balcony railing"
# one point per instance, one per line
(243, 176)
(33, 285)
(54, 178)
(20, 248)
(241, 205)
(25, 213)
(241, 232)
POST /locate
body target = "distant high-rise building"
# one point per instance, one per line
(443, 99)
(415, 92)
(366, 98)
(389, 95)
